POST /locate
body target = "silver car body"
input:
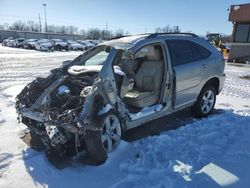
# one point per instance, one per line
(182, 83)
(90, 101)
(185, 82)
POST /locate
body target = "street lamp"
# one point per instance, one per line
(44, 6)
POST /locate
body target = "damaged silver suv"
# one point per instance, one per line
(85, 106)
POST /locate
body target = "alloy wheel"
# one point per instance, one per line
(207, 101)
(111, 133)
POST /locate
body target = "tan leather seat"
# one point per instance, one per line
(148, 81)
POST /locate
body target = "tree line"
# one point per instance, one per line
(92, 33)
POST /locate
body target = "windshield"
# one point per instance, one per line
(97, 56)
(97, 59)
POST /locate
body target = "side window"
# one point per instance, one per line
(183, 52)
(204, 53)
(180, 51)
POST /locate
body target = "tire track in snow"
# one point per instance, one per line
(5, 160)
(235, 86)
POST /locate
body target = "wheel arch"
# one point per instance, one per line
(215, 82)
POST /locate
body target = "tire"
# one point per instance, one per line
(205, 102)
(101, 142)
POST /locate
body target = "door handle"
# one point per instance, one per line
(204, 66)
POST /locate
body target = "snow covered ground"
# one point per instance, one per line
(209, 153)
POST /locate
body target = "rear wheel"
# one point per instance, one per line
(100, 143)
(205, 102)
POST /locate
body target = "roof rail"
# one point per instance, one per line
(152, 35)
(118, 37)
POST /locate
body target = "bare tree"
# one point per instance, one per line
(176, 29)
(106, 34)
(19, 26)
(168, 29)
(73, 30)
(119, 33)
(33, 26)
(52, 28)
(94, 33)
(158, 30)
(83, 33)
(63, 29)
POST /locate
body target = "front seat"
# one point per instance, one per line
(148, 81)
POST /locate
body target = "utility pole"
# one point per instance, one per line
(106, 30)
(40, 24)
(44, 6)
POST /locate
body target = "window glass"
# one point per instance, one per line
(183, 51)
(242, 33)
(204, 53)
(97, 59)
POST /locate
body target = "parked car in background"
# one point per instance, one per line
(95, 42)
(4, 42)
(10, 42)
(75, 46)
(84, 107)
(60, 45)
(18, 42)
(86, 44)
(44, 45)
(29, 43)
(91, 42)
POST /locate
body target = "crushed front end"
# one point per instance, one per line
(51, 108)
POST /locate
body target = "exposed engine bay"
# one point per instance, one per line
(61, 110)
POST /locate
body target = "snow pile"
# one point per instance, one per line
(175, 156)
(2, 120)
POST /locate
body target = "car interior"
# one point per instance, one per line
(144, 70)
(147, 71)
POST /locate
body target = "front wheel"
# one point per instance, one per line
(100, 143)
(205, 102)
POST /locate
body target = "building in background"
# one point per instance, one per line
(240, 17)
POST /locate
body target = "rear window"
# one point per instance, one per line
(183, 52)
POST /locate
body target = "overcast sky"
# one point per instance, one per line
(135, 16)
